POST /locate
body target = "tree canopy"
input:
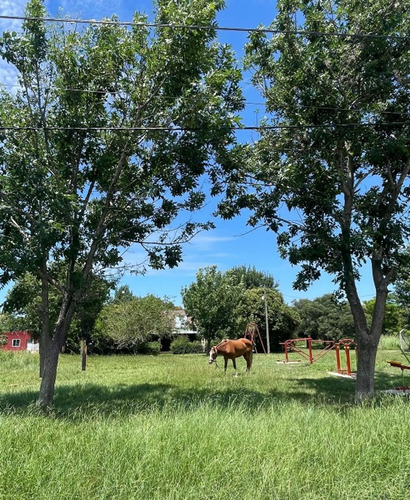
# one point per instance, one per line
(129, 323)
(23, 308)
(402, 289)
(325, 318)
(223, 304)
(212, 301)
(330, 172)
(251, 277)
(105, 145)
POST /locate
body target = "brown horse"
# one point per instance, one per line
(232, 349)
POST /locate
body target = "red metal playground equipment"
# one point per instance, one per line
(405, 349)
(294, 345)
(346, 344)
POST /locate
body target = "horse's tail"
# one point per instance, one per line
(250, 357)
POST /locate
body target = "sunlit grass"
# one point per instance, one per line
(173, 427)
(389, 342)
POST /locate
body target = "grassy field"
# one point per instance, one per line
(173, 427)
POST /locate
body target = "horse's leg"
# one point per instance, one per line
(226, 363)
(248, 357)
(234, 365)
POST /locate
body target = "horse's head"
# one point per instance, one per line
(213, 353)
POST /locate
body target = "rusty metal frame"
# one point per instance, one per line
(251, 332)
(291, 345)
(346, 343)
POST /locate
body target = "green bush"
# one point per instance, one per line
(150, 347)
(182, 345)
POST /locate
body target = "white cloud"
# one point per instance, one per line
(208, 242)
(12, 8)
(97, 9)
(203, 251)
(208, 239)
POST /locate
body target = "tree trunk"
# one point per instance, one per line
(52, 352)
(366, 363)
(49, 374)
(367, 339)
(45, 333)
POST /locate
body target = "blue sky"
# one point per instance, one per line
(231, 243)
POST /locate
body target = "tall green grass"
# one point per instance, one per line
(173, 427)
(389, 342)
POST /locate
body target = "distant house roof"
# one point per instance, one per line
(183, 323)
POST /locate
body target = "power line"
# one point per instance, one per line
(205, 27)
(193, 129)
(251, 103)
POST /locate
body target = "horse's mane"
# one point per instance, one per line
(223, 342)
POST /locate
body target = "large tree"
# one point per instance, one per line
(251, 277)
(262, 303)
(325, 318)
(223, 304)
(266, 308)
(130, 323)
(212, 302)
(104, 144)
(330, 172)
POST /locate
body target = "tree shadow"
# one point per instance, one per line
(79, 402)
(342, 389)
(82, 401)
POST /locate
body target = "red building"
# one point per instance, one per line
(16, 341)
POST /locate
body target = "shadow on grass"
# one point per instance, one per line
(341, 388)
(76, 402)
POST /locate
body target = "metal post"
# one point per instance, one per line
(310, 350)
(83, 355)
(348, 368)
(339, 370)
(266, 323)
(286, 352)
